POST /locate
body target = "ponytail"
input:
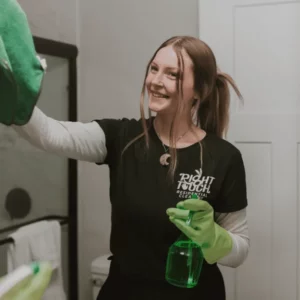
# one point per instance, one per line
(213, 111)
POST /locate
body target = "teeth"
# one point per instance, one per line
(159, 96)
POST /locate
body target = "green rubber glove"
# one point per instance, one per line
(33, 288)
(214, 240)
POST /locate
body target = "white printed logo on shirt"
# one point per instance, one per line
(189, 184)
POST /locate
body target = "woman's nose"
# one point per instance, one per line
(157, 80)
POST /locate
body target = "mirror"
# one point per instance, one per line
(36, 184)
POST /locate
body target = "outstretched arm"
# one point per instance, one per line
(76, 140)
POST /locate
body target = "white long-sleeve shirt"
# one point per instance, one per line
(86, 142)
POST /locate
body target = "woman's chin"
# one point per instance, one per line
(158, 107)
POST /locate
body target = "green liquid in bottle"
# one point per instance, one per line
(184, 261)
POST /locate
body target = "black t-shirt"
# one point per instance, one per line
(140, 191)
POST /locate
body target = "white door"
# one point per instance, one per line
(258, 43)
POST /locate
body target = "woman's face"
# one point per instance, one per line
(161, 81)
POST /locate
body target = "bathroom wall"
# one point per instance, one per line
(55, 19)
(116, 39)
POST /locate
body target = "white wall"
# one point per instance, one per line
(116, 39)
(53, 19)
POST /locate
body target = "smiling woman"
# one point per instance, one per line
(156, 163)
(162, 80)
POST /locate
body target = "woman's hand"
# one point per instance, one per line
(214, 240)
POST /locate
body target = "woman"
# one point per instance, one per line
(156, 165)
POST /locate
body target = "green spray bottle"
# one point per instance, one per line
(185, 260)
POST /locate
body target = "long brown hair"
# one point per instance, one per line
(211, 111)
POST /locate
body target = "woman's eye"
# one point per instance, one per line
(171, 74)
(174, 74)
(153, 68)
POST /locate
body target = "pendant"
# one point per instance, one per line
(164, 159)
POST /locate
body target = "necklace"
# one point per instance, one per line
(164, 157)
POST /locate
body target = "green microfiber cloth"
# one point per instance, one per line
(21, 71)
